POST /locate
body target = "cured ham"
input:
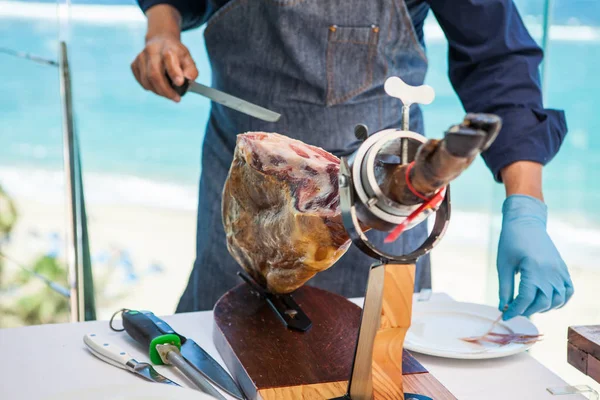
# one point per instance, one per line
(281, 210)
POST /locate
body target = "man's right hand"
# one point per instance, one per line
(164, 54)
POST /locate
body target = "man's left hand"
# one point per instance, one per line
(525, 247)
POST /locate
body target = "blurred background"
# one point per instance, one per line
(141, 162)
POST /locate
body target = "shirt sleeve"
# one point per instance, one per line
(494, 68)
(193, 12)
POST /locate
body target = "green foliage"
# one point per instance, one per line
(37, 304)
(8, 214)
(40, 304)
(25, 299)
(8, 218)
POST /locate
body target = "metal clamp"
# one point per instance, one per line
(283, 305)
(352, 224)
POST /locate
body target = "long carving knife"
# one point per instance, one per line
(151, 331)
(225, 99)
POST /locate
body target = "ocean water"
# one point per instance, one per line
(139, 148)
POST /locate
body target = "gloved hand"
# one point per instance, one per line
(525, 247)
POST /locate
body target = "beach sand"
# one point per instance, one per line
(147, 235)
(461, 266)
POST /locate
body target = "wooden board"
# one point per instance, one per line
(319, 391)
(422, 383)
(583, 349)
(272, 362)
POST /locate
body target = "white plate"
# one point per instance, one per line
(134, 391)
(437, 327)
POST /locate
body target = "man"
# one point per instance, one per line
(322, 65)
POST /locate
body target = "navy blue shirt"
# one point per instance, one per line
(493, 67)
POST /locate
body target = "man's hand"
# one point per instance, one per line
(525, 247)
(164, 54)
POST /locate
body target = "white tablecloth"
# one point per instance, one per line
(41, 361)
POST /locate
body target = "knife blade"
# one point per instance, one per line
(225, 99)
(116, 356)
(171, 355)
(148, 329)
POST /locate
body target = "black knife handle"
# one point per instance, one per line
(180, 90)
(146, 332)
(162, 325)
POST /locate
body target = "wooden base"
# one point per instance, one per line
(583, 349)
(270, 361)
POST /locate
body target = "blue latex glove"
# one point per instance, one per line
(525, 247)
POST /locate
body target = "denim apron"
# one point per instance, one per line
(322, 65)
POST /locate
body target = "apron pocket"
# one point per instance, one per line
(351, 53)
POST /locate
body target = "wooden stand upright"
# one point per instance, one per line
(272, 362)
(396, 314)
(378, 370)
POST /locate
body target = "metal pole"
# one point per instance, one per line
(77, 252)
(405, 127)
(548, 5)
(71, 251)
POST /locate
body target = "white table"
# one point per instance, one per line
(41, 361)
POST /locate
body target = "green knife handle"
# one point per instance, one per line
(146, 332)
(180, 90)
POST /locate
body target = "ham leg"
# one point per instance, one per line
(281, 210)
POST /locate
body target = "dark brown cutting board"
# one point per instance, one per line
(583, 349)
(272, 362)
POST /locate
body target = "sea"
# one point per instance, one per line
(138, 148)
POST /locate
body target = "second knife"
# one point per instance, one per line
(151, 331)
(116, 356)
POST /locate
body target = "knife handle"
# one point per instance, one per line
(163, 326)
(146, 332)
(106, 351)
(180, 90)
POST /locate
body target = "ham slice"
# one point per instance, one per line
(281, 210)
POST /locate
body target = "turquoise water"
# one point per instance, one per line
(126, 131)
